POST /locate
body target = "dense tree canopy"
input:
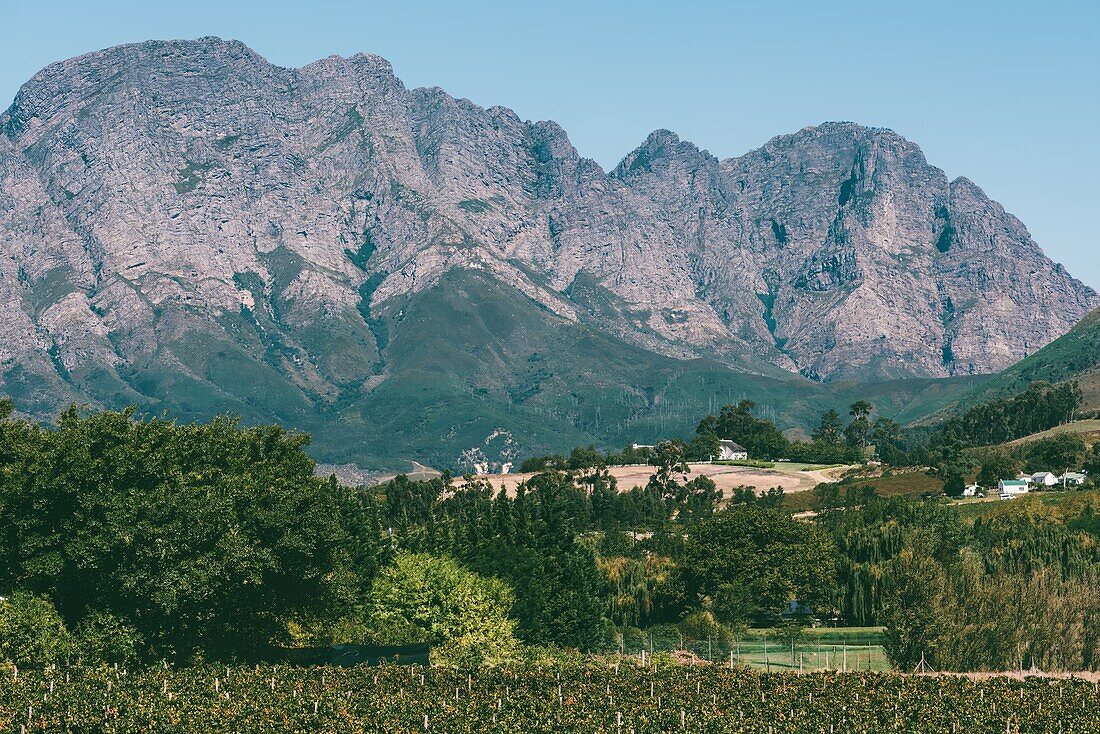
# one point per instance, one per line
(202, 537)
(750, 563)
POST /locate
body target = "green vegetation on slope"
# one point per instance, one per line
(471, 356)
(458, 362)
(1073, 356)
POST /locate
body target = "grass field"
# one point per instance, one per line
(824, 648)
(1072, 498)
(1087, 429)
(895, 485)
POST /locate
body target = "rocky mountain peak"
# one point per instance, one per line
(662, 148)
(164, 189)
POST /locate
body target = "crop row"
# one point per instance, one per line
(592, 698)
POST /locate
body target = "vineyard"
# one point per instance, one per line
(583, 698)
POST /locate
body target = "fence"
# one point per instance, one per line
(842, 650)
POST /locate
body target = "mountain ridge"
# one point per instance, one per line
(159, 190)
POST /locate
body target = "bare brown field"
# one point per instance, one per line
(792, 479)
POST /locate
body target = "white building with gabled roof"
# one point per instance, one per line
(1009, 488)
(1044, 479)
(731, 451)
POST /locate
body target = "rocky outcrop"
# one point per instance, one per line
(168, 188)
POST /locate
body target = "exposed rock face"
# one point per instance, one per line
(149, 191)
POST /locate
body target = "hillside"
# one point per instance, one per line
(1088, 430)
(1073, 356)
(191, 229)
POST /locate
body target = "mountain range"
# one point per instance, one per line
(188, 228)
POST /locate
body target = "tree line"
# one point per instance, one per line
(142, 539)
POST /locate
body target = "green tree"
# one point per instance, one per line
(206, 538)
(954, 485)
(830, 429)
(424, 598)
(669, 459)
(889, 440)
(857, 431)
(703, 447)
(761, 558)
(586, 458)
(1059, 453)
(32, 633)
(916, 610)
(103, 638)
(996, 466)
(1092, 464)
(737, 423)
(701, 625)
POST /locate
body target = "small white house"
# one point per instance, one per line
(1009, 488)
(1073, 479)
(1044, 479)
(971, 490)
(730, 451)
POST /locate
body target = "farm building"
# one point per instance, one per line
(731, 451)
(971, 490)
(1010, 488)
(1044, 479)
(1073, 479)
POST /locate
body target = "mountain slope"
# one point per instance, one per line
(1073, 356)
(190, 228)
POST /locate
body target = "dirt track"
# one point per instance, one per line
(727, 478)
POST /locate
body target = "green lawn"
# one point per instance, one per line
(795, 466)
(832, 648)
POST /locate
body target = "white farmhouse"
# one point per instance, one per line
(730, 451)
(1073, 479)
(1044, 479)
(971, 490)
(1010, 488)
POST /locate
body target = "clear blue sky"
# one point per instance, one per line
(1006, 93)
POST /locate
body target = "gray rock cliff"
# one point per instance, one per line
(154, 190)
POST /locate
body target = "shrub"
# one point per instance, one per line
(424, 598)
(32, 633)
(104, 638)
